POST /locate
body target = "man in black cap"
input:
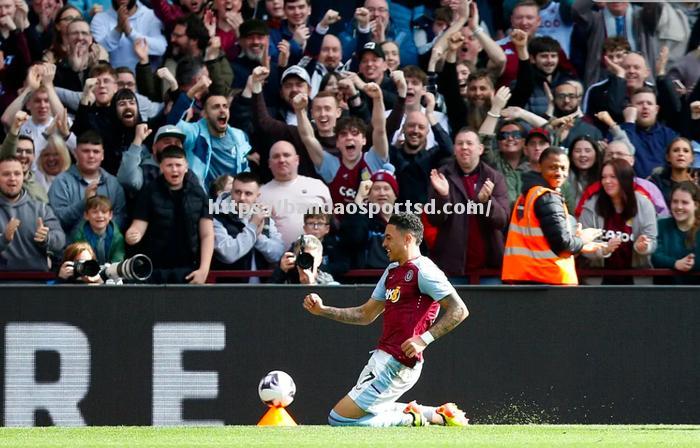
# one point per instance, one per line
(373, 68)
(254, 42)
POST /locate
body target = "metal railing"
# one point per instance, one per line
(371, 275)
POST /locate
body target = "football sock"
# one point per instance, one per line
(385, 419)
(428, 413)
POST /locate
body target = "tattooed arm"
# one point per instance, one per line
(455, 312)
(359, 315)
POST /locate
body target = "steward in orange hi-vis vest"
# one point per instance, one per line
(528, 256)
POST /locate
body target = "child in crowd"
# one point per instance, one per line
(100, 232)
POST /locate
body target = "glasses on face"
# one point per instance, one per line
(315, 225)
(377, 10)
(566, 96)
(126, 84)
(503, 135)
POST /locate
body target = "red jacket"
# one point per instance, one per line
(595, 188)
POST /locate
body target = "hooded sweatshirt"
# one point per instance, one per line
(23, 253)
(67, 196)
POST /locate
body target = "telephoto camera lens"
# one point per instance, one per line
(136, 268)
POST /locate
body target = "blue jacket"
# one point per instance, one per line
(399, 31)
(650, 146)
(284, 33)
(67, 197)
(198, 148)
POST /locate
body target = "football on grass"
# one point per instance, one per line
(277, 389)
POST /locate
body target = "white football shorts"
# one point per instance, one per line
(382, 382)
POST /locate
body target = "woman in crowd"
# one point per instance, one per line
(585, 159)
(391, 55)
(59, 47)
(627, 218)
(53, 160)
(79, 253)
(329, 83)
(679, 155)
(678, 242)
(223, 21)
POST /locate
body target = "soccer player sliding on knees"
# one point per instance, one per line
(410, 293)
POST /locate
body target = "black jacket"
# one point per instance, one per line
(159, 199)
(554, 222)
(413, 170)
(611, 95)
(665, 183)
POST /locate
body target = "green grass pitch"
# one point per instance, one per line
(324, 436)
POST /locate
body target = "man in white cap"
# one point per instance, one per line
(138, 166)
(295, 80)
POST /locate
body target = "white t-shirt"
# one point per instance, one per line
(290, 200)
(551, 24)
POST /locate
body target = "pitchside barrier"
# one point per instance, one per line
(136, 355)
(355, 276)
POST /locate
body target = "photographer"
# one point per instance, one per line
(301, 266)
(80, 265)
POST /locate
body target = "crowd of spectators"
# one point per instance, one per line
(133, 126)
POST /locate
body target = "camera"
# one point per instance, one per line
(137, 268)
(88, 268)
(304, 260)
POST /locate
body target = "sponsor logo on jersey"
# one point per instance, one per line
(347, 192)
(622, 236)
(393, 295)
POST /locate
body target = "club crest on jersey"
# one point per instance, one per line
(408, 277)
(393, 295)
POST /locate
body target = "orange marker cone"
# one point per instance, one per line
(277, 417)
